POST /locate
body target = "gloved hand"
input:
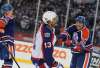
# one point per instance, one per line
(54, 64)
(77, 48)
(7, 40)
(85, 47)
(59, 42)
(68, 43)
(89, 48)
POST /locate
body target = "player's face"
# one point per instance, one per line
(9, 13)
(79, 25)
(53, 23)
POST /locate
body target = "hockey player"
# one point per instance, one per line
(6, 35)
(78, 38)
(42, 54)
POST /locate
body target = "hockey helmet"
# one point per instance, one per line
(48, 16)
(6, 7)
(81, 19)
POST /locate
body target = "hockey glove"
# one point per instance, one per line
(54, 64)
(68, 43)
(7, 40)
(77, 48)
(59, 42)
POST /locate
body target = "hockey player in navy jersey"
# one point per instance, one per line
(6, 35)
(42, 54)
(78, 38)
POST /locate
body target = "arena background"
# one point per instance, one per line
(28, 15)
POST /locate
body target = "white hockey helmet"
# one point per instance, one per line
(48, 16)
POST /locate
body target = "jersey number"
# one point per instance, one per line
(48, 45)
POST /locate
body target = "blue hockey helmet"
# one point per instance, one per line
(81, 19)
(6, 7)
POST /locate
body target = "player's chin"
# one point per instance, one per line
(79, 27)
(53, 26)
(54, 67)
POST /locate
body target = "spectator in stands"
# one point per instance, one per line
(25, 23)
(98, 34)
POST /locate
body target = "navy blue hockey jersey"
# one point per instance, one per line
(6, 36)
(83, 37)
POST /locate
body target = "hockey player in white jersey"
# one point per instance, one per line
(42, 54)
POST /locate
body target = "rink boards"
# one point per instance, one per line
(23, 55)
(62, 55)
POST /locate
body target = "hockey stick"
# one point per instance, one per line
(67, 13)
(94, 26)
(36, 20)
(13, 58)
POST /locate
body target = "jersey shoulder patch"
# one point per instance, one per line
(47, 35)
(2, 25)
(85, 33)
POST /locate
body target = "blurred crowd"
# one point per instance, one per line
(25, 13)
(28, 9)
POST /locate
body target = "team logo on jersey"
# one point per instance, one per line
(75, 37)
(47, 34)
